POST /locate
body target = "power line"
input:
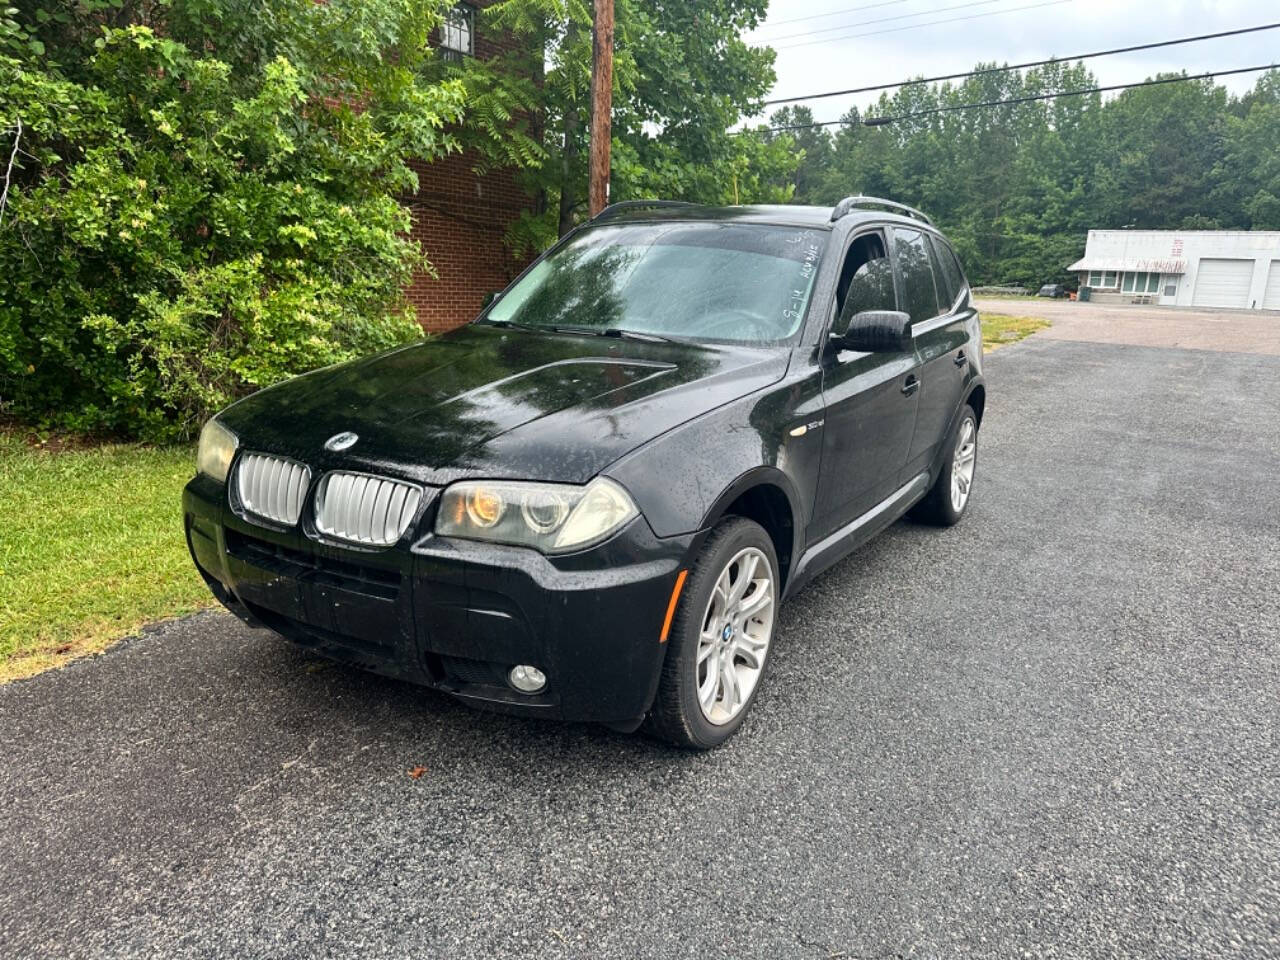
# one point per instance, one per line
(900, 16)
(917, 26)
(882, 121)
(834, 13)
(1029, 63)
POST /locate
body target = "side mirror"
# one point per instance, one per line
(491, 296)
(876, 331)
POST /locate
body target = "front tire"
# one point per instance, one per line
(720, 638)
(947, 499)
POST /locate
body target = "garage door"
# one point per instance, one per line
(1271, 295)
(1223, 283)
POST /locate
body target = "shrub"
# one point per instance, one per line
(204, 199)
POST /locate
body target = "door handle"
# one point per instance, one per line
(961, 359)
(911, 386)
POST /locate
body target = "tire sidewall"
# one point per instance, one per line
(953, 444)
(688, 625)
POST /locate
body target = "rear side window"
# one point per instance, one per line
(955, 259)
(920, 299)
(947, 272)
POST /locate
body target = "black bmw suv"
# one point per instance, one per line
(590, 502)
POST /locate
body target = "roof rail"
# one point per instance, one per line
(615, 208)
(853, 203)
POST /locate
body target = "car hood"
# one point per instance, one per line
(499, 402)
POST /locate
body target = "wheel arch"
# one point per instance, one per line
(767, 496)
(977, 398)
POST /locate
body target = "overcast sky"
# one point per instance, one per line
(998, 30)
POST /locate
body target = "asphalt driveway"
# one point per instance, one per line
(1232, 331)
(1049, 731)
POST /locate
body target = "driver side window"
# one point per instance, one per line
(866, 281)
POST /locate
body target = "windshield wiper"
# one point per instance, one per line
(510, 324)
(585, 331)
(617, 332)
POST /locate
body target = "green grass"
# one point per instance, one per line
(999, 329)
(91, 548)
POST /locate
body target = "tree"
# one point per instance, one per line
(1247, 177)
(815, 141)
(1017, 186)
(683, 76)
(1162, 145)
(204, 198)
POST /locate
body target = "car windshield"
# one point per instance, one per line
(743, 283)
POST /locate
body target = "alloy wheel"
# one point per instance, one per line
(962, 468)
(736, 631)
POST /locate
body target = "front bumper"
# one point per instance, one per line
(455, 615)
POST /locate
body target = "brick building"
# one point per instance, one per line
(459, 217)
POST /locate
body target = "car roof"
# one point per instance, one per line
(790, 215)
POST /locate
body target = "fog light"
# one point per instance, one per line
(527, 679)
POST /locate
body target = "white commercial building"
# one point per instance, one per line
(1185, 268)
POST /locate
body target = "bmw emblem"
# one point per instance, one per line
(341, 441)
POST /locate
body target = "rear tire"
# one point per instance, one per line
(951, 492)
(720, 638)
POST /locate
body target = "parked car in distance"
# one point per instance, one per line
(1055, 290)
(590, 502)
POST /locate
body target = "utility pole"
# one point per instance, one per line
(601, 106)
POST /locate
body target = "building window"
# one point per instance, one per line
(458, 32)
(1141, 282)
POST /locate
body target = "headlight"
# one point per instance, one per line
(217, 447)
(551, 517)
